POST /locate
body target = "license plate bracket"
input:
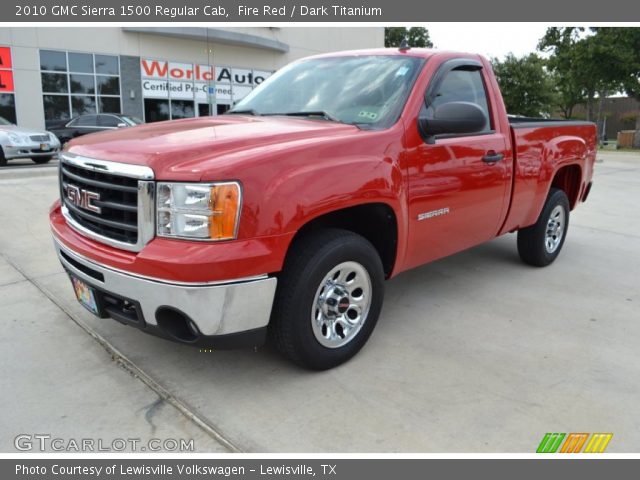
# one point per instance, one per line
(86, 296)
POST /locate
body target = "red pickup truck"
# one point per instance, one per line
(283, 218)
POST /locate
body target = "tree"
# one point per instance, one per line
(625, 64)
(416, 37)
(584, 65)
(525, 85)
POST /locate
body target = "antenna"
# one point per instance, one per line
(404, 45)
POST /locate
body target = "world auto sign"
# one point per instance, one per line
(186, 81)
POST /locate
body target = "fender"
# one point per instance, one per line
(539, 157)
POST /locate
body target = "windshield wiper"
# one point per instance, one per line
(248, 111)
(316, 113)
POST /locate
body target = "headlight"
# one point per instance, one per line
(15, 138)
(52, 137)
(204, 211)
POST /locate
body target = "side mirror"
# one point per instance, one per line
(453, 118)
(121, 125)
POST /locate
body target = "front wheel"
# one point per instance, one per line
(328, 300)
(540, 244)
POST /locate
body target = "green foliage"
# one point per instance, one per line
(594, 62)
(416, 37)
(526, 86)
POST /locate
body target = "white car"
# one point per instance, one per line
(15, 142)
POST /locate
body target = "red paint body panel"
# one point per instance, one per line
(293, 170)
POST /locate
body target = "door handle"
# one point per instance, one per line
(492, 157)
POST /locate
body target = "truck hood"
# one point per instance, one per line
(186, 149)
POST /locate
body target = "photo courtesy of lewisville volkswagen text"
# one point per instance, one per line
(260, 248)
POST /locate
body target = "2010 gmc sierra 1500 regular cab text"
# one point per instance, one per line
(286, 215)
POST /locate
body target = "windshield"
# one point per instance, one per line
(132, 120)
(4, 121)
(366, 90)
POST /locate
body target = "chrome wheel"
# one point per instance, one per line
(555, 229)
(341, 305)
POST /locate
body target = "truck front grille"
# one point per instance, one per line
(105, 204)
(117, 204)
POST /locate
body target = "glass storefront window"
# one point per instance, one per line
(8, 107)
(80, 62)
(182, 109)
(56, 107)
(108, 85)
(107, 64)
(108, 104)
(54, 83)
(81, 105)
(221, 108)
(83, 82)
(53, 61)
(156, 110)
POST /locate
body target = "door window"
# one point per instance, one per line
(462, 86)
(84, 121)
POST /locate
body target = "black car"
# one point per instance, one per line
(83, 124)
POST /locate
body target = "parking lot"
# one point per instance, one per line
(473, 353)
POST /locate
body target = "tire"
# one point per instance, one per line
(41, 160)
(311, 323)
(540, 244)
(3, 159)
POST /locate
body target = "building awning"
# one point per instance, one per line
(215, 35)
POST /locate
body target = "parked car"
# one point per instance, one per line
(15, 142)
(84, 124)
(287, 215)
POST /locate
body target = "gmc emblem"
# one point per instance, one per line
(82, 198)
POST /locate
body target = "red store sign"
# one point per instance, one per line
(6, 74)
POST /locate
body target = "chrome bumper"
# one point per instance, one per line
(219, 308)
(29, 151)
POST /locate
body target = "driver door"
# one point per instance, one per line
(458, 183)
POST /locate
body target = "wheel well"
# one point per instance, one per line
(374, 221)
(568, 179)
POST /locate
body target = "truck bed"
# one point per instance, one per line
(540, 147)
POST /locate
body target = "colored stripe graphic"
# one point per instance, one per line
(574, 443)
(598, 442)
(550, 442)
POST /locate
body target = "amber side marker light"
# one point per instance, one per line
(225, 210)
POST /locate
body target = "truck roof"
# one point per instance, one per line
(411, 52)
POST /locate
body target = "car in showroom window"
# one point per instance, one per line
(364, 90)
(15, 142)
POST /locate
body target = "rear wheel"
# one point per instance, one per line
(41, 160)
(540, 244)
(328, 299)
(3, 159)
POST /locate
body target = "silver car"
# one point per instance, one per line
(16, 142)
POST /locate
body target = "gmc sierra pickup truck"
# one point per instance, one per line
(283, 218)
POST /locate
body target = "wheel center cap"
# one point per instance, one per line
(343, 305)
(336, 302)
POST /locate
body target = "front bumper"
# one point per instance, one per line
(29, 151)
(220, 314)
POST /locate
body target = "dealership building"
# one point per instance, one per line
(49, 74)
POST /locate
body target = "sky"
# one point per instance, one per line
(489, 39)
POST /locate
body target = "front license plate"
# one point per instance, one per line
(85, 295)
(44, 146)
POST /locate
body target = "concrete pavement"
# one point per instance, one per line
(473, 353)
